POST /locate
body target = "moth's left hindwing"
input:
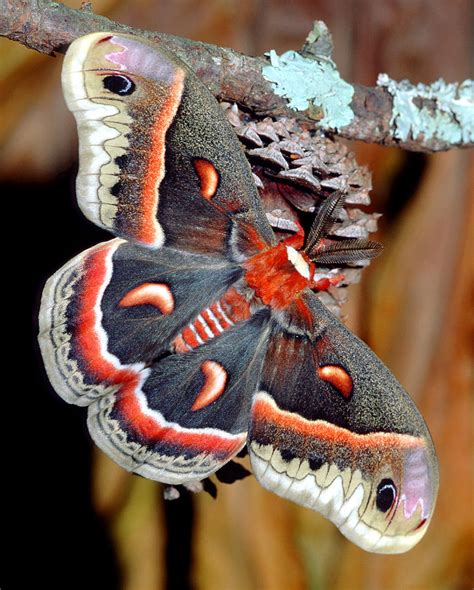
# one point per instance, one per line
(184, 416)
(157, 156)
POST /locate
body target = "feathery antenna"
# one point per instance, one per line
(325, 217)
(336, 252)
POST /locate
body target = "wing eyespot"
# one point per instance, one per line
(386, 495)
(119, 84)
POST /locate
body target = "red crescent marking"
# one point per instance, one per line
(157, 294)
(148, 231)
(101, 369)
(338, 377)
(208, 177)
(268, 412)
(215, 378)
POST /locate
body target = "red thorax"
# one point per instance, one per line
(279, 274)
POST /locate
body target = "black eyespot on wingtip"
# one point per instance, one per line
(119, 84)
(386, 495)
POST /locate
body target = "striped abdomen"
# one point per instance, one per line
(231, 308)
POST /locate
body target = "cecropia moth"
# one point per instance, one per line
(195, 331)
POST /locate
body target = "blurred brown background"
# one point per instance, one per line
(75, 520)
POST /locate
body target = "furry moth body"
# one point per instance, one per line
(194, 332)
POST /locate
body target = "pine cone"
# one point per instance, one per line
(295, 172)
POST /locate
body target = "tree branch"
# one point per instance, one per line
(395, 114)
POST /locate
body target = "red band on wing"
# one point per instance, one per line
(149, 231)
(265, 410)
(338, 377)
(208, 177)
(88, 337)
(150, 429)
(157, 294)
(215, 378)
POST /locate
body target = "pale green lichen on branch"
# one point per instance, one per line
(305, 85)
(308, 83)
(441, 111)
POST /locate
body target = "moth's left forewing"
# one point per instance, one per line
(334, 431)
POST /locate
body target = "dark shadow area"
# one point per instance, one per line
(178, 557)
(405, 184)
(52, 536)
